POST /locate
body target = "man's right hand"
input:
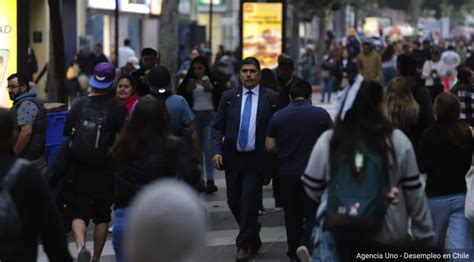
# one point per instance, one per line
(217, 161)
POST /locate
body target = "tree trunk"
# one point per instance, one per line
(295, 38)
(343, 17)
(356, 16)
(169, 39)
(56, 65)
(415, 10)
(321, 47)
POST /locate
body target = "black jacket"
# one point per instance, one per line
(284, 89)
(39, 217)
(446, 164)
(138, 77)
(350, 68)
(226, 126)
(426, 117)
(172, 160)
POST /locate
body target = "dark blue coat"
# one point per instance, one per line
(226, 124)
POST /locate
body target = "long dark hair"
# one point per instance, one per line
(364, 125)
(129, 78)
(191, 75)
(132, 83)
(388, 53)
(147, 129)
(269, 79)
(464, 79)
(447, 109)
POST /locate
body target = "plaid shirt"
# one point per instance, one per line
(466, 98)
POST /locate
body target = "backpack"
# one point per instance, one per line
(91, 138)
(357, 201)
(9, 218)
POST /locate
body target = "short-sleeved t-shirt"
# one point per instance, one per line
(296, 129)
(27, 113)
(179, 112)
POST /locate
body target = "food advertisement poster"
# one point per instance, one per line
(262, 32)
(8, 46)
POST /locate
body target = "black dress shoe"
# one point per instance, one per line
(211, 187)
(243, 254)
(255, 247)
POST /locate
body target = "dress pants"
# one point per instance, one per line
(244, 190)
(300, 212)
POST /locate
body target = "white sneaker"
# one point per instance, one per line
(84, 255)
(111, 228)
(303, 254)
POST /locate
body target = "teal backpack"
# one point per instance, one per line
(357, 201)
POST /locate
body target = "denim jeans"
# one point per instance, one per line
(307, 75)
(325, 250)
(202, 123)
(120, 223)
(388, 74)
(447, 213)
(328, 87)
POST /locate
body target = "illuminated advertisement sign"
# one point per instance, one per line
(217, 5)
(8, 47)
(155, 7)
(262, 32)
(130, 6)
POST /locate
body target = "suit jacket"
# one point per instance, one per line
(226, 125)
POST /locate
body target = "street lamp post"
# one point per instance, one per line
(210, 26)
(116, 53)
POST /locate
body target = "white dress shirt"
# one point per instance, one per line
(253, 118)
(125, 52)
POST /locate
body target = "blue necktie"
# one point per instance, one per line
(245, 124)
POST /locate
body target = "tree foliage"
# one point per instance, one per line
(310, 8)
(435, 5)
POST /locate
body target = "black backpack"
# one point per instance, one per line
(91, 137)
(10, 227)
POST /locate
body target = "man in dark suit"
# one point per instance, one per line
(238, 145)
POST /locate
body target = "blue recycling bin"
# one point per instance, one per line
(54, 133)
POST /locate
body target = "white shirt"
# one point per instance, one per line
(253, 118)
(390, 63)
(451, 59)
(430, 66)
(202, 100)
(125, 52)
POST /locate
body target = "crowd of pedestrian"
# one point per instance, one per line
(387, 172)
